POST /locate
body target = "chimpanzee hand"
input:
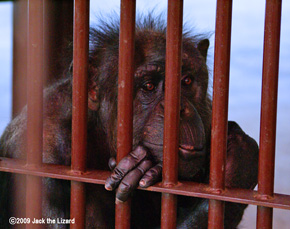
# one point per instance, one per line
(136, 168)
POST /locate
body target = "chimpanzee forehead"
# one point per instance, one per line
(189, 64)
(157, 62)
(150, 54)
(156, 67)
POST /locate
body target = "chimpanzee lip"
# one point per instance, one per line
(188, 152)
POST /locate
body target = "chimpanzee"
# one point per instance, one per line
(142, 166)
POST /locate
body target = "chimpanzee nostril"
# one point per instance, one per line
(184, 111)
(162, 104)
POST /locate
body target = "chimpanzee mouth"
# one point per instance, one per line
(188, 152)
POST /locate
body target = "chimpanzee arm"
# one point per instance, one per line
(241, 172)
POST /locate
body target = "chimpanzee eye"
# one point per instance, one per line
(149, 86)
(187, 80)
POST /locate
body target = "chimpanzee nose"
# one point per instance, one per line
(184, 110)
(161, 105)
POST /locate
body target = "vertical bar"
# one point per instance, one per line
(125, 97)
(34, 105)
(58, 30)
(172, 110)
(220, 110)
(269, 109)
(19, 90)
(80, 108)
(20, 36)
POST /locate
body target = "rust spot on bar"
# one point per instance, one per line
(168, 184)
(215, 190)
(77, 172)
(263, 197)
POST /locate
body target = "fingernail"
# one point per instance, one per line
(108, 187)
(142, 183)
(118, 201)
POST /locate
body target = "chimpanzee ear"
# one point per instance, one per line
(93, 98)
(203, 47)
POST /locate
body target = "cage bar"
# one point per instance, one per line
(172, 110)
(125, 97)
(19, 87)
(220, 110)
(79, 109)
(184, 188)
(269, 110)
(34, 106)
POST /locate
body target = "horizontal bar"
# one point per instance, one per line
(192, 189)
(53, 171)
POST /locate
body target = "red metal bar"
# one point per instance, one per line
(125, 97)
(35, 82)
(19, 97)
(168, 213)
(78, 204)
(269, 109)
(80, 108)
(34, 106)
(172, 110)
(220, 110)
(192, 189)
(20, 36)
(58, 30)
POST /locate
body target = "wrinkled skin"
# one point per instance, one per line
(143, 166)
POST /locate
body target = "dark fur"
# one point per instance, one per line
(241, 170)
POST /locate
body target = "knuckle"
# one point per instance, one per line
(141, 170)
(155, 172)
(139, 153)
(118, 174)
(126, 162)
(112, 163)
(125, 187)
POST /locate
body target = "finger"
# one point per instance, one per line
(152, 176)
(112, 163)
(131, 180)
(125, 165)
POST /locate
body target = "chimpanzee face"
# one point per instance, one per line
(149, 110)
